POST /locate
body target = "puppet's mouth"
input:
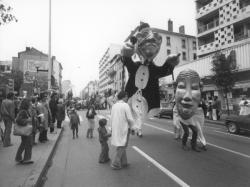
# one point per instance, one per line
(187, 105)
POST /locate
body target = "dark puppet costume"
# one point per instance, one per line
(143, 83)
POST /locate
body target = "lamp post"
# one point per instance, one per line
(49, 52)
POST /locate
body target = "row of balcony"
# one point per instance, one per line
(208, 26)
(241, 36)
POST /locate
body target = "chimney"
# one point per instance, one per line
(27, 48)
(182, 29)
(170, 25)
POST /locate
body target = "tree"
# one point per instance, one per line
(222, 68)
(5, 14)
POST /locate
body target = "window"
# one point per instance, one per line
(194, 45)
(194, 56)
(183, 43)
(168, 41)
(2, 68)
(184, 57)
(168, 52)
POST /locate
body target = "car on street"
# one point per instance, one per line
(236, 124)
(166, 110)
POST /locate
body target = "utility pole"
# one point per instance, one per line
(49, 52)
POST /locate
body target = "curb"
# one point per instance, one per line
(37, 178)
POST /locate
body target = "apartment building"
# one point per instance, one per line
(105, 81)
(221, 24)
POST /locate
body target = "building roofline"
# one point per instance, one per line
(159, 31)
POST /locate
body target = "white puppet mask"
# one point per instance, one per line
(188, 93)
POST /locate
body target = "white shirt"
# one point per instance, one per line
(244, 108)
(120, 115)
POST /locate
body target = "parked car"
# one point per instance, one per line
(235, 124)
(165, 112)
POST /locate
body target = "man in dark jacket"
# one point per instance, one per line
(53, 110)
(8, 115)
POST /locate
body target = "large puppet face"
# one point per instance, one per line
(188, 93)
(149, 44)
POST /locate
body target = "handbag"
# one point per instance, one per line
(22, 130)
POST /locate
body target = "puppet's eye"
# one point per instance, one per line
(181, 85)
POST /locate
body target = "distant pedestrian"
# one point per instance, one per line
(244, 106)
(216, 107)
(33, 112)
(91, 121)
(23, 119)
(209, 110)
(74, 121)
(60, 113)
(103, 138)
(8, 116)
(44, 117)
(53, 110)
(121, 123)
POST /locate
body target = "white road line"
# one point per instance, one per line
(146, 124)
(233, 135)
(225, 149)
(163, 169)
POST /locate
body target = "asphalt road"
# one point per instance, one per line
(156, 160)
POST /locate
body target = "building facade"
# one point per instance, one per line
(222, 26)
(34, 65)
(106, 82)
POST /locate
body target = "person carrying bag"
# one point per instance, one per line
(23, 128)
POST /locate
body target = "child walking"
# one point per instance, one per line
(103, 138)
(74, 122)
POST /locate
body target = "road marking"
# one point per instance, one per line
(225, 149)
(163, 169)
(233, 135)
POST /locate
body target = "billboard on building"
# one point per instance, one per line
(30, 69)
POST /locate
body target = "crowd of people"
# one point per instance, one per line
(40, 111)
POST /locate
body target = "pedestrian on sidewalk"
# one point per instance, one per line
(74, 121)
(216, 107)
(8, 116)
(90, 115)
(34, 117)
(103, 138)
(44, 115)
(121, 123)
(244, 106)
(53, 109)
(23, 119)
(60, 113)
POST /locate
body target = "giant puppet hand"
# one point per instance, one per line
(173, 59)
(127, 50)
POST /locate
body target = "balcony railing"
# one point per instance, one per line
(239, 37)
(208, 26)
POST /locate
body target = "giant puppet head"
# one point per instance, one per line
(188, 93)
(147, 42)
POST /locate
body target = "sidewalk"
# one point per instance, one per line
(17, 175)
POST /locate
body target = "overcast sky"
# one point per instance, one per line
(82, 30)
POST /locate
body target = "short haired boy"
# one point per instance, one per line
(103, 138)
